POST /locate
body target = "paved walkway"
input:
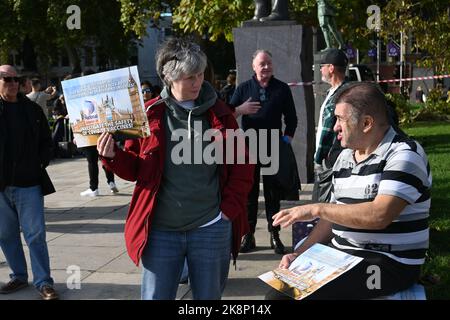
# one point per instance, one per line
(87, 233)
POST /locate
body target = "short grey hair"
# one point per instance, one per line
(261, 51)
(177, 58)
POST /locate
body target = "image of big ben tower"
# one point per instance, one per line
(139, 115)
(133, 88)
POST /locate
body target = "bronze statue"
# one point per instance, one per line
(263, 12)
(326, 13)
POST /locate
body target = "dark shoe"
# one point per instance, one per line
(248, 243)
(275, 242)
(48, 293)
(13, 286)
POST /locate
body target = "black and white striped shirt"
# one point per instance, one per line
(398, 167)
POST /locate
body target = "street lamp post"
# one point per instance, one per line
(401, 60)
(378, 55)
(374, 23)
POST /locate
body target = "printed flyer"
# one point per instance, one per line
(311, 270)
(110, 101)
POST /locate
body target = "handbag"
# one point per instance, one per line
(287, 179)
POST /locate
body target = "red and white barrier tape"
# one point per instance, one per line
(417, 78)
(298, 84)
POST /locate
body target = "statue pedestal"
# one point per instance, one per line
(292, 62)
(257, 23)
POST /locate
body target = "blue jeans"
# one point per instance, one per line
(207, 251)
(185, 273)
(23, 208)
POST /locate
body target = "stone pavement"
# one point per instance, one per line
(87, 233)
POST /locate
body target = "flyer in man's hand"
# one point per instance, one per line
(311, 270)
(110, 101)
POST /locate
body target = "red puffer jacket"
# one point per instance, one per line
(142, 161)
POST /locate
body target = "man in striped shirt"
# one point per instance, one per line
(381, 201)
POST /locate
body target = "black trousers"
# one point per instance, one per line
(271, 200)
(92, 158)
(353, 284)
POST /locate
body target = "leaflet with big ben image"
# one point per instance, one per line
(311, 270)
(110, 101)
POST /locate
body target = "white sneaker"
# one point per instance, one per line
(113, 187)
(89, 193)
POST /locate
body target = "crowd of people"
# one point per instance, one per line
(371, 193)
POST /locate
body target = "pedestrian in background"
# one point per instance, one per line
(25, 152)
(264, 101)
(147, 90)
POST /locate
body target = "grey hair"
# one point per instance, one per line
(177, 58)
(261, 51)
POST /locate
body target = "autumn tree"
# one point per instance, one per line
(43, 24)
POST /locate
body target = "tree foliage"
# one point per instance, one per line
(43, 23)
(136, 14)
(212, 18)
(112, 23)
(428, 21)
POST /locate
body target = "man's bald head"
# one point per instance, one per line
(7, 70)
(9, 83)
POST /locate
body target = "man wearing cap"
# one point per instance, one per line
(332, 69)
(25, 151)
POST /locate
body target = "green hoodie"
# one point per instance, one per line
(189, 195)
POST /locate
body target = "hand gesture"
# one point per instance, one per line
(105, 145)
(249, 107)
(287, 217)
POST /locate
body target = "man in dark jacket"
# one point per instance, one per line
(25, 151)
(264, 101)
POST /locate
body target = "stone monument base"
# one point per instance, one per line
(257, 23)
(292, 65)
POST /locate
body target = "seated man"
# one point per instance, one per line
(381, 202)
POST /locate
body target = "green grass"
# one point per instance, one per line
(435, 138)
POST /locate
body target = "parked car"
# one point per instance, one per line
(360, 72)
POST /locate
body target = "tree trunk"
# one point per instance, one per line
(29, 55)
(74, 58)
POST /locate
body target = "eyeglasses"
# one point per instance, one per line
(147, 90)
(10, 79)
(262, 95)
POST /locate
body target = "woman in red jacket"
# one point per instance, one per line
(183, 206)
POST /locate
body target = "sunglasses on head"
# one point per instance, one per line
(10, 79)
